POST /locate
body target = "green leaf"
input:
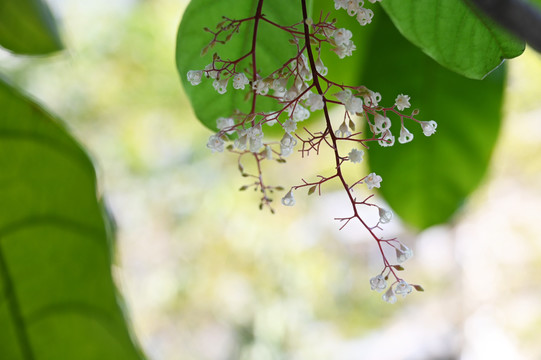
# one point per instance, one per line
(57, 296)
(272, 51)
(455, 34)
(427, 180)
(28, 27)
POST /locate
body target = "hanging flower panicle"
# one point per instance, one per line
(300, 89)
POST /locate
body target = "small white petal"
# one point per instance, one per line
(288, 199)
(385, 216)
(355, 156)
(389, 296)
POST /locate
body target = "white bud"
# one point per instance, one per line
(389, 296)
(215, 143)
(378, 283)
(355, 156)
(429, 127)
(288, 199)
(194, 76)
(385, 216)
(403, 288)
(405, 136)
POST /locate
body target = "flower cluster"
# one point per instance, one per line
(356, 8)
(400, 286)
(300, 88)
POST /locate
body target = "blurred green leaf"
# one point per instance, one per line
(427, 180)
(57, 296)
(28, 27)
(271, 51)
(454, 34)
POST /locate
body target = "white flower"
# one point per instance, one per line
(321, 69)
(255, 131)
(279, 85)
(405, 136)
(353, 6)
(381, 123)
(240, 81)
(280, 95)
(343, 95)
(389, 296)
(343, 131)
(299, 84)
(261, 87)
(315, 101)
(402, 102)
(289, 126)
(403, 253)
(291, 94)
(355, 156)
(387, 139)
(372, 180)
(328, 31)
(287, 143)
(255, 137)
(354, 105)
(242, 141)
(268, 153)
(194, 76)
(303, 64)
(225, 123)
(306, 74)
(403, 288)
(215, 143)
(340, 4)
(345, 49)
(341, 36)
(288, 140)
(364, 16)
(373, 98)
(429, 127)
(385, 215)
(378, 283)
(256, 143)
(220, 85)
(288, 199)
(285, 151)
(300, 113)
(213, 74)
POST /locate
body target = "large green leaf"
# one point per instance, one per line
(455, 34)
(272, 50)
(28, 27)
(426, 180)
(57, 296)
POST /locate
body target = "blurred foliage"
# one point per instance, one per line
(28, 27)
(57, 297)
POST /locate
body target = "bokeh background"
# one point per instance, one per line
(206, 275)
